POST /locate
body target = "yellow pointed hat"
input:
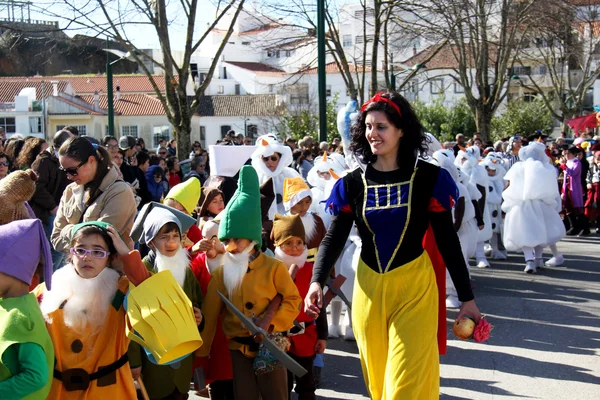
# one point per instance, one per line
(160, 317)
(294, 190)
(186, 193)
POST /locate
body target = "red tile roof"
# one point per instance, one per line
(445, 59)
(262, 28)
(11, 86)
(130, 104)
(127, 83)
(332, 68)
(258, 68)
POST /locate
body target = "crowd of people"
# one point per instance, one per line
(266, 239)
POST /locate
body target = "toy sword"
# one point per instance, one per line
(334, 286)
(279, 354)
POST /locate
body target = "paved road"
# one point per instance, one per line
(545, 344)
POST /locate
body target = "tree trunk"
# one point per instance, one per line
(183, 129)
(483, 119)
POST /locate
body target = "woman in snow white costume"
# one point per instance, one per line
(393, 202)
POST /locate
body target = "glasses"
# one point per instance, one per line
(162, 153)
(3, 164)
(73, 170)
(112, 147)
(272, 158)
(81, 252)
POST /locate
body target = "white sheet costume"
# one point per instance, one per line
(467, 232)
(266, 146)
(532, 204)
(468, 162)
(493, 161)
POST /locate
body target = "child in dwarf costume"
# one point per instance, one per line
(86, 319)
(496, 172)
(26, 351)
(321, 177)
(297, 198)
(184, 197)
(250, 280)
(218, 372)
(288, 235)
(162, 232)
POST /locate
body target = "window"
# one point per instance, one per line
(347, 40)
(270, 88)
(542, 70)
(82, 129)
(370, 38)
(202, 77)
(458, 88)
(270, 53)
(224, 130)
(360, 39)
(129, 130)
(520, 70)
(8, 124)
(370, 12)
(220, 89)
(160, 132)
(277, 54)
(359, 13)
(252, 131)
(288, 53)
(328, 91)
(203, 136)
(298, 93)
(231, 42)
(245, 43)
(436, 86)
(35, 124)
(237, 88)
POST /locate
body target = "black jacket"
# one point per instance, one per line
(50, 185)
(143, 191)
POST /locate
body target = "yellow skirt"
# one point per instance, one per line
(395, 317)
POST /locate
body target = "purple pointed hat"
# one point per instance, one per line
(22, 243)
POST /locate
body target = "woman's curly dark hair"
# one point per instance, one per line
(413, 142)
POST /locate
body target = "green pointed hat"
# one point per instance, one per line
(242, 218)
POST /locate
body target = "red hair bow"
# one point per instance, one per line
(378, 98)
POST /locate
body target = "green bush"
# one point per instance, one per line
(522, 117)
(443, 122)
(306, 123)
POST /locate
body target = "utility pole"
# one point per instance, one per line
(109, 93)
(321, 70)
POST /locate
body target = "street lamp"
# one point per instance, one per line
(321, 70)
(413, 71)
(109, 83)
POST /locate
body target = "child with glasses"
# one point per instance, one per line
(86, 319)
(4, 165)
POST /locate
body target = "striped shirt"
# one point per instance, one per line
(510, 160)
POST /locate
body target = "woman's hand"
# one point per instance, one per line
(313, 302)
(469, 308)
(136, 372)
(119, 244)
(320, 346)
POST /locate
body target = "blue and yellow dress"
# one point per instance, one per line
(395, 300)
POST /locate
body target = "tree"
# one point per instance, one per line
(560, 56)
(115, 18)
(445, 123)
(483, 37)
(523, 118)
(305, 122)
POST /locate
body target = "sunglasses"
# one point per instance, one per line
(3, 164)
(272, 158)
(162, 153)
(73, 170)
(81, 252)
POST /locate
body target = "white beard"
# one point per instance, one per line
(214, 263)
(289, 260)
(310, 226)
(235, 267)
(88, 300)
(178, 264)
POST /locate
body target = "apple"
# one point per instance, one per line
(464, 327)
